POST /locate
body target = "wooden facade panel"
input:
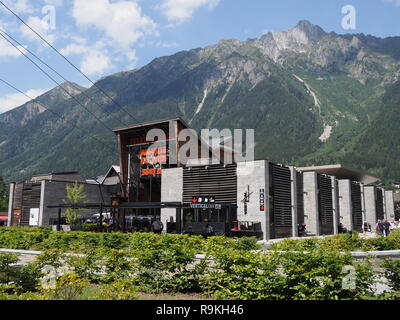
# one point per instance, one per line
(217, 181)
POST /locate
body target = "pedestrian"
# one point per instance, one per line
(386, 228)
(379, 227)
(342, 228)
(157, 226)
(209, 230)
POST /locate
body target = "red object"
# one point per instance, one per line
(3, 218)
(235, 226)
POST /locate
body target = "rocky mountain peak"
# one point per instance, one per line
(312, 32)
(303, 33)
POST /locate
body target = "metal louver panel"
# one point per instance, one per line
(217, 181)
(300, 198)
(325, 204)
(281, 201)
(356, 206)
(380, 215)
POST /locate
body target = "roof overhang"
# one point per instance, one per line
(342, 172)
(152, 123)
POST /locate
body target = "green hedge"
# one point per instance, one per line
(342, 242)
(229, 269)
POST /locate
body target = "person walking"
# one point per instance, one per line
(157, 226)
(367, 227)
(386, 228)
(379, 227)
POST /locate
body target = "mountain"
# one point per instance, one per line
(313, 97)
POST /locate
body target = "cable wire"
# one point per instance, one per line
(69, 62)
(55, 71)
(54, 112)
(49, 76)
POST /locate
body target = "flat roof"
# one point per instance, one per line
(151, 123)
(56, 173)
(342, 172)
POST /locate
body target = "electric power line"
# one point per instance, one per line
(53, 112)
(69, 62)
(55, 81)
(55, 71)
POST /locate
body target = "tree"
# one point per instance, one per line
(3, 195)
(75, 195)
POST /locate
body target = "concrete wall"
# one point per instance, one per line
(10, 204)
(370, 205)
(311, 216)
(335, 205)
(55, 193)
(389, 200)
(254, 174)
(171, 191)
(345, 204)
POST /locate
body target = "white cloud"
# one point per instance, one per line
(7, 50)
(55, 2)
(95, 59)
(19, 6)
(179, 11)
(122, 21)
(396, 2)
(95, 63)
(40, 26)
(13, 100)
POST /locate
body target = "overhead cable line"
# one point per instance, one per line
(55, 81)
(54, 112)
(55, 71)
(69, 61)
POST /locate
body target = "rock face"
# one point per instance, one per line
(310, 95)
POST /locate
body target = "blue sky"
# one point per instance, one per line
(106, 36)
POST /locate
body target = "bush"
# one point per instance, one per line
(166, 262)
(119, 290)
(341, 242)
(392, 273)
(22, 237)
(8, 272)
(68, 287)
(238, 274)
(317, 275)
(320, 275)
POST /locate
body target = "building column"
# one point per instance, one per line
(335, 206)
(171, 191)
(389, 200)
(385, 213)
(311, 212)
(254, 177)
(42, 208)
(10, 204)
(370, 205)
(364, 218)
(345, 204)
(293, 182)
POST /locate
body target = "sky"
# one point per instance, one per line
(103, 37)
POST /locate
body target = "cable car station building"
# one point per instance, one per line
(239, 198)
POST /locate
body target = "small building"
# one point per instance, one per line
(29, 200)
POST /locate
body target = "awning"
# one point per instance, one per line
(342, 172)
